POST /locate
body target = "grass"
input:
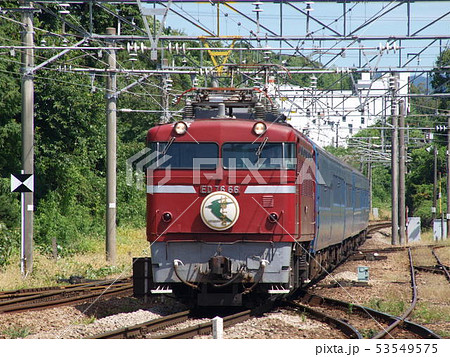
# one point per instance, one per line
(368, 332)
(392, 307)
(443, 334)
(16, 332)
(384, 213)
(87, 320)
(90, 265)
(426, 312)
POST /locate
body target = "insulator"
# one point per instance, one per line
(221, 110)
(188, 112)
(260, 111)
(392, 82)
(133, 56)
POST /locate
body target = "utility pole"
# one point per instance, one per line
(402, 173)
(111, 132)
(394, 158)
(369, 174)
(448, 177)
(441, 211)
(433, 209)
(27, 133)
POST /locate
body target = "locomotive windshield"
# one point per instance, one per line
(185, 155)
(255, 155)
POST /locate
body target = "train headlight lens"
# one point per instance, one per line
(259, 128)
(180, 128)
(167, 217)
(273, 217)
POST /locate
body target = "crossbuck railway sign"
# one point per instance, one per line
(22, 183)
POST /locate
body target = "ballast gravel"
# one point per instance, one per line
(282, 324)
(85, 320)
(386, 278)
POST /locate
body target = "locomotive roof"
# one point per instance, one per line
(225, 130)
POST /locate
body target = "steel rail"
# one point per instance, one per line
(378, 225)
(399, 320)
(144, 328)
(206, 327)
(12, 294)
(441, 265)
(430, 269)
(64, 297)
(47, 295)
(344, 327)
(383, 250)
(366, 311)
(397, 249)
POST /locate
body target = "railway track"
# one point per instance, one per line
(13, 294)
(373, 226)
(438, 268)
(30, 299)
(366, 313)
(440, 265)
(143, 330)
(371, 316)
(206, 328)
(348, 330)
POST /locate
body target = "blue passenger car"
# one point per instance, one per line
(342, 201)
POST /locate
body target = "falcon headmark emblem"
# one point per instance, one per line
(219, 210)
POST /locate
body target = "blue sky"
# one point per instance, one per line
(294, 23)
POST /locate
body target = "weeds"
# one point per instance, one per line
(426, 314)
(368, 332)
(88, 320)
(14, 332)
(444, 334)
(393, 307)
(91, 265)
(102, 272)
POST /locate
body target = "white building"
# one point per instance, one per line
(331, 117)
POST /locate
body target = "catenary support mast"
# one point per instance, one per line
(402, 174)
(111, 177)
(448, 178)
(394, 158)
(27, 132)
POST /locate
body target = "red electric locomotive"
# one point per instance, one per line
(240, 205)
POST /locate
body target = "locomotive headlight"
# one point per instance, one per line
(273, 217)
(167, 217)
(259, 128)
(180, 128)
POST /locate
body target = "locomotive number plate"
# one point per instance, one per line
(213, 188)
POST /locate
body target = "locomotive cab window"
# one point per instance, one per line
(185, 155)
(259, 155)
